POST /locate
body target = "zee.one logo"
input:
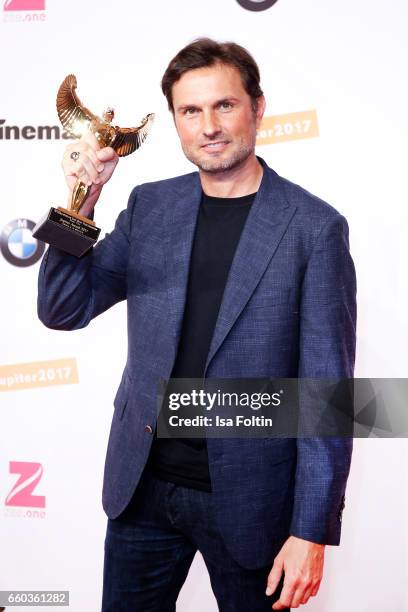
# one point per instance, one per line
(17, 244)
(24, 5)
(256, 5)
(24, 10)
(21, 495)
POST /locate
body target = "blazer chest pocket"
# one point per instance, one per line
(279, 296)
(122, 396)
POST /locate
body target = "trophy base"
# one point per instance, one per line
(67, 231)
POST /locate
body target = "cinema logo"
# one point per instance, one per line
(32, 132)
(32, 11)
(38, 374)
(284, 128)
(21, 501)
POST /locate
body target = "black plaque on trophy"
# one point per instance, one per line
(67, 231)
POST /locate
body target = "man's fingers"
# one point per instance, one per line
(87, 167)
(94, 159)
(306, 595)
(274, 577)
(90, 170)
(82, 172)
(90, 165)
(301, 595)
(294, 593)
(107, 154)
(303, 565)
(315, 589)
(286, 596)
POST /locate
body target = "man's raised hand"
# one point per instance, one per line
(93, 166)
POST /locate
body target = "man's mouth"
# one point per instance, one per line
(215, 146)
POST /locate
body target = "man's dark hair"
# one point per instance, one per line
(205, 52)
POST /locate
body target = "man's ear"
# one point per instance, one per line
(260, 109)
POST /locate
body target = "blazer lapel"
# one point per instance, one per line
(265, 226)
(179, 226)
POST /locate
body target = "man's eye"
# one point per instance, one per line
(225, 105)
(190, 111)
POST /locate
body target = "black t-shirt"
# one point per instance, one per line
(219, 225)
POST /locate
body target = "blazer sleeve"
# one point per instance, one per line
(71, 290)
(326, 351)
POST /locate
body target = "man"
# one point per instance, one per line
(231, 272)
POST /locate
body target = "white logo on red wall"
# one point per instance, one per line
(22, 494)
(24, 10)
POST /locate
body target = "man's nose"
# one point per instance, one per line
(210, 125)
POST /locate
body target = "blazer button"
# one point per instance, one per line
(148, 429)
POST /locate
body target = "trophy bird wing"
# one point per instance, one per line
(128, 140)
(74, 116)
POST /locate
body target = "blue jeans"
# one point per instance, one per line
(149, 549)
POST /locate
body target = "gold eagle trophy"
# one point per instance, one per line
(65, 228)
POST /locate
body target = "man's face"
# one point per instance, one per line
(214, 117)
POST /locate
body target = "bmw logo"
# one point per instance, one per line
(17, 244)
(256, 5)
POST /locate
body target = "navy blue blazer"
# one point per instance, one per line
(288, 310)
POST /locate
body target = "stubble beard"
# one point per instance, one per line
(221, 165)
